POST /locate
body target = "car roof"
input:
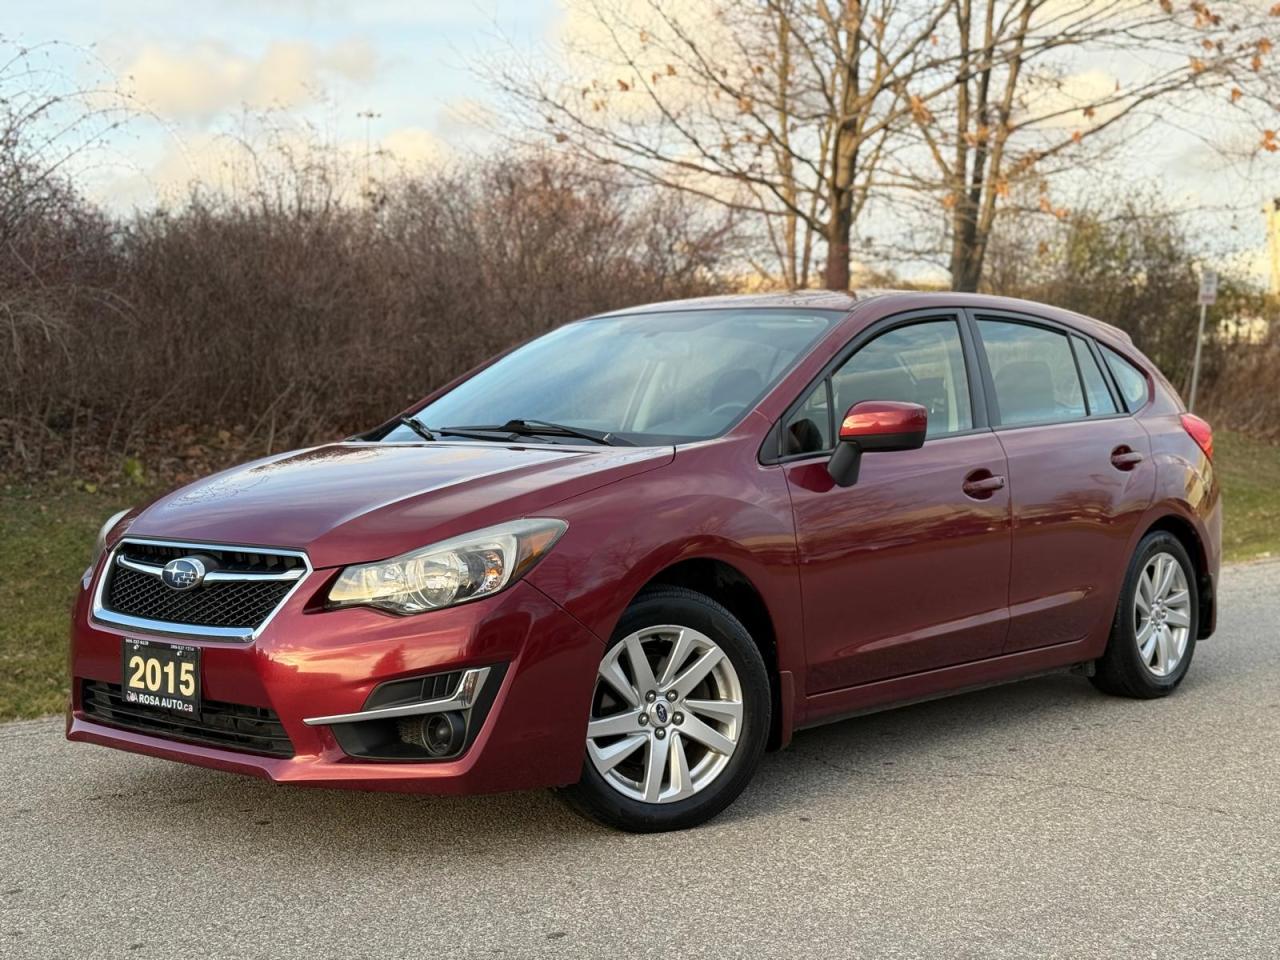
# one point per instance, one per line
(809, 299)
(887, 301)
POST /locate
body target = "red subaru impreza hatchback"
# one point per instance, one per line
(629, 556)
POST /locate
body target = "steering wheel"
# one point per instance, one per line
(731, 407)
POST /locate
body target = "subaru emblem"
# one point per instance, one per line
(185, 573)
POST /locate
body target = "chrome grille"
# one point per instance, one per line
(241, 590)
(233, 559)
(246, 603)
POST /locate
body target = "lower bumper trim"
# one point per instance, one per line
(229, 726)
(461, 699)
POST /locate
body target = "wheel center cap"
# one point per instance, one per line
(660, 713)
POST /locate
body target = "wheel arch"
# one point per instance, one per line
(1186, 533)
(731, 588)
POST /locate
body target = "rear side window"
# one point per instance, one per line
(1095, 386)
(1131, 380)
(1033, 371)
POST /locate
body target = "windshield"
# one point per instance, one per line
(652, 378)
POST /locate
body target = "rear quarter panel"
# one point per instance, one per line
(1187, 487)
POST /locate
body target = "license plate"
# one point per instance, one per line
(162, 676)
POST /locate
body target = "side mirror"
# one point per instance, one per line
(875, 426)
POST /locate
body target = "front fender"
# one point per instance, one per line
(713, 501)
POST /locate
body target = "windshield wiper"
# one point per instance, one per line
(536, 428)
(418, 427)
(473, 433)
(492, 434)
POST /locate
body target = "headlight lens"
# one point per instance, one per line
(444, 574)
(100, 545)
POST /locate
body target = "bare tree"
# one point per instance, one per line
(1037, 81)
(786, 109)
(54, 246)
(49, 129)
(800, 113)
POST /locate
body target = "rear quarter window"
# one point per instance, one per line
(1129, 378)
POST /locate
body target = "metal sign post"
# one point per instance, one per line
(1208, 297)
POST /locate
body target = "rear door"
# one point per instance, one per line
(1080, 476)
(908, 569)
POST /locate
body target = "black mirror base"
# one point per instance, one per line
(844, 463)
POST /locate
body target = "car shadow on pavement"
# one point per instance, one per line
(940, 738)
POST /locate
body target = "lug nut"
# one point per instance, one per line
(671, 695)
(643, 719)
(659, 733)
(678, 718)
(651, 696)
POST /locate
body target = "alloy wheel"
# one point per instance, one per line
(666, 714)
(1162, 614)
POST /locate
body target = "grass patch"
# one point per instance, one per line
(1250, 473)
(46, 537)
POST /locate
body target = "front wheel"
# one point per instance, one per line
(1153, 636)
(679, 716)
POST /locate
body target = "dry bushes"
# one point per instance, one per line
(1242, 379)
(281, 319)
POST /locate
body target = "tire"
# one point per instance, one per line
(692, 781)
(1126, 668)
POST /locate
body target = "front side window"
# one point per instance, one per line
(922, 363)
(1033, 371)
(1131, 381)
(809, 428)
(651, 378)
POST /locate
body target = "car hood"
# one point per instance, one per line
(351, 502)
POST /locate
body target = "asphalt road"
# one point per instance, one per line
(1036, 820)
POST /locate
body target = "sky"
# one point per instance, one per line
(412, 67)
(197, 66)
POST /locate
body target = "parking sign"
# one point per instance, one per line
(1208, 288)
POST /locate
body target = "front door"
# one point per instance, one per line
(908, 569)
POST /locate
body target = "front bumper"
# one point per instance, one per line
(310, 662)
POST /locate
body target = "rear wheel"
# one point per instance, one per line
(1153, 636)
(679, 716)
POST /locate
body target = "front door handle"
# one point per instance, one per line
(981, 485)
(1123, 458)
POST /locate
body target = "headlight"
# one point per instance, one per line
(444, 574)
(100, 545)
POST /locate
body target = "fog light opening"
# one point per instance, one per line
(439, 734)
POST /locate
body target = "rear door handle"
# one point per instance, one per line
(1122, 458)
(981, 485)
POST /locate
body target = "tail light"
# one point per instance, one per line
(1200, 432)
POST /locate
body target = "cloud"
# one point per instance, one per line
(410, 148)
(467, 119)
(354, 59)
(1062, 103)
(200, 81)
(612, 50)
(233, 167)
